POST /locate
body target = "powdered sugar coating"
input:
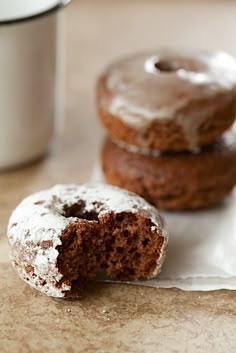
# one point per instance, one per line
(36, 225)
(138, 93)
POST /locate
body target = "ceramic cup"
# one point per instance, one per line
(30, 76)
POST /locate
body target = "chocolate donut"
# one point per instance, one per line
(173, 181)
(170, 100)
(61, 236)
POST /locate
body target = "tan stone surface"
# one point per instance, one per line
(112, 317)
(115, 318)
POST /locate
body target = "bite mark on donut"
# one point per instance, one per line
(123, 245)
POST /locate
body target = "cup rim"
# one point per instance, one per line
(50, 11)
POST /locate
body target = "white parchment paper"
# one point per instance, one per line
(201, 252)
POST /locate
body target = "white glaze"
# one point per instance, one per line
(40, 218)
(140, 94)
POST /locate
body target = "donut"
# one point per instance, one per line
(60, 237)
(174, 181)
(169, 100)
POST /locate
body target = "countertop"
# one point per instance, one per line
(112, 317)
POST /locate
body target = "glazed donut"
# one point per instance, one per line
(61, 236)
(175, 181)
(170, 100)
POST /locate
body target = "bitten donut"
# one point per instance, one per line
(179, 181)
(170, 100)
(60, 237)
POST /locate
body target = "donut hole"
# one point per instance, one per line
(78, 211)
(166, 66)
(122, 245)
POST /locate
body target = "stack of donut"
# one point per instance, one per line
(169, 117)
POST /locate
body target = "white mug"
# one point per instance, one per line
(29, 78)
